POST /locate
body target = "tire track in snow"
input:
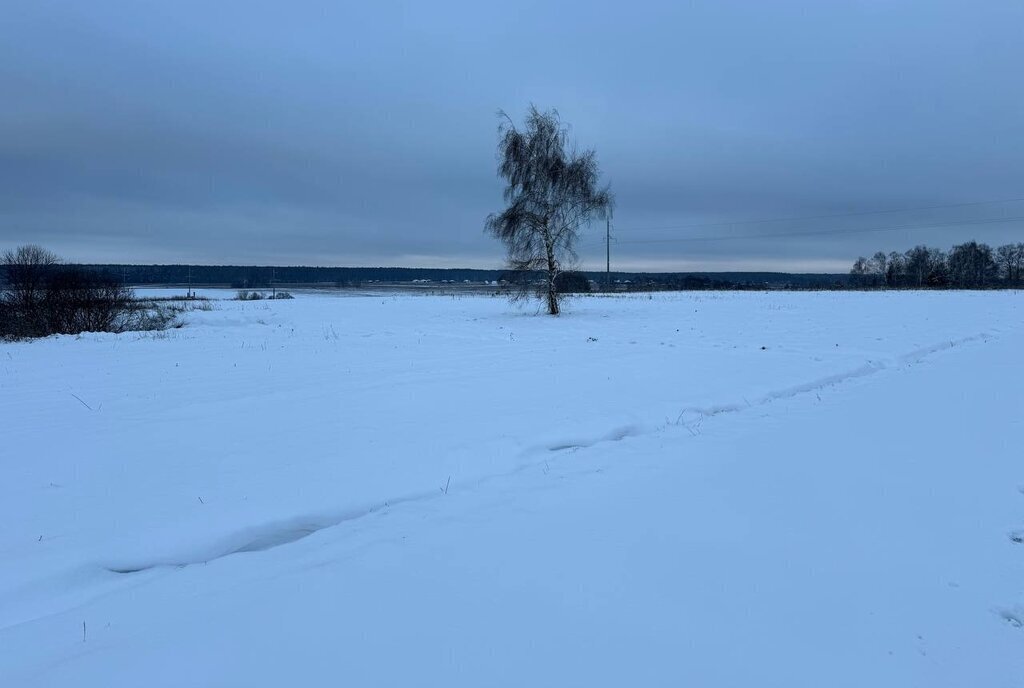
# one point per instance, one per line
(616, 435)
(279, 533)
(870, 368)
(263, 537)
(1014, 615)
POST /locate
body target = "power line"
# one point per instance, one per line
(894, 228)
(822, 217)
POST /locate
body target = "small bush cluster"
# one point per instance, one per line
(43, 297)
(245, 295)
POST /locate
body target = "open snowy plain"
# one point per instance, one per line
(707, 489)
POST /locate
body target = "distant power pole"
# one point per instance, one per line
(608, 254)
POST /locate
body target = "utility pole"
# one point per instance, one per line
(608, 254)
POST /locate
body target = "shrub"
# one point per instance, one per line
(7, 324)
(43, 297)
(79, 300)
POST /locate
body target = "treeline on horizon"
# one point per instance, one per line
(970, 265)
(264, 277)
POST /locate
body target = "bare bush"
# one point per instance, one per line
(27, 270)
(79, 300)
(43, 297)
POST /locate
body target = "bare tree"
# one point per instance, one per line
(938, 273)
(551, 190)
(27, 271)
(971, 265)
(879, 264)
(918, 265)
(1017, 264)
(859, 272)
(1010, 259)
(895, 270)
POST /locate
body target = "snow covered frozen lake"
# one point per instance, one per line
(707, 489)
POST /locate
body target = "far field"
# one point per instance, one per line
(708, 489)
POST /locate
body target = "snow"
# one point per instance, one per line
(714, 489)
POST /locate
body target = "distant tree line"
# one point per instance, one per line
(685, 282)
(264, 277)
(966, 266)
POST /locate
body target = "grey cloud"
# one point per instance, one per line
(321, 132)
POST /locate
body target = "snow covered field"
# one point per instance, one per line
(708, 489)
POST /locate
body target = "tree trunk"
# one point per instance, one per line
(552, 296)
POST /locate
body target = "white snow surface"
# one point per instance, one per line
(707, 489)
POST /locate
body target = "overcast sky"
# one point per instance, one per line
(338, 133)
